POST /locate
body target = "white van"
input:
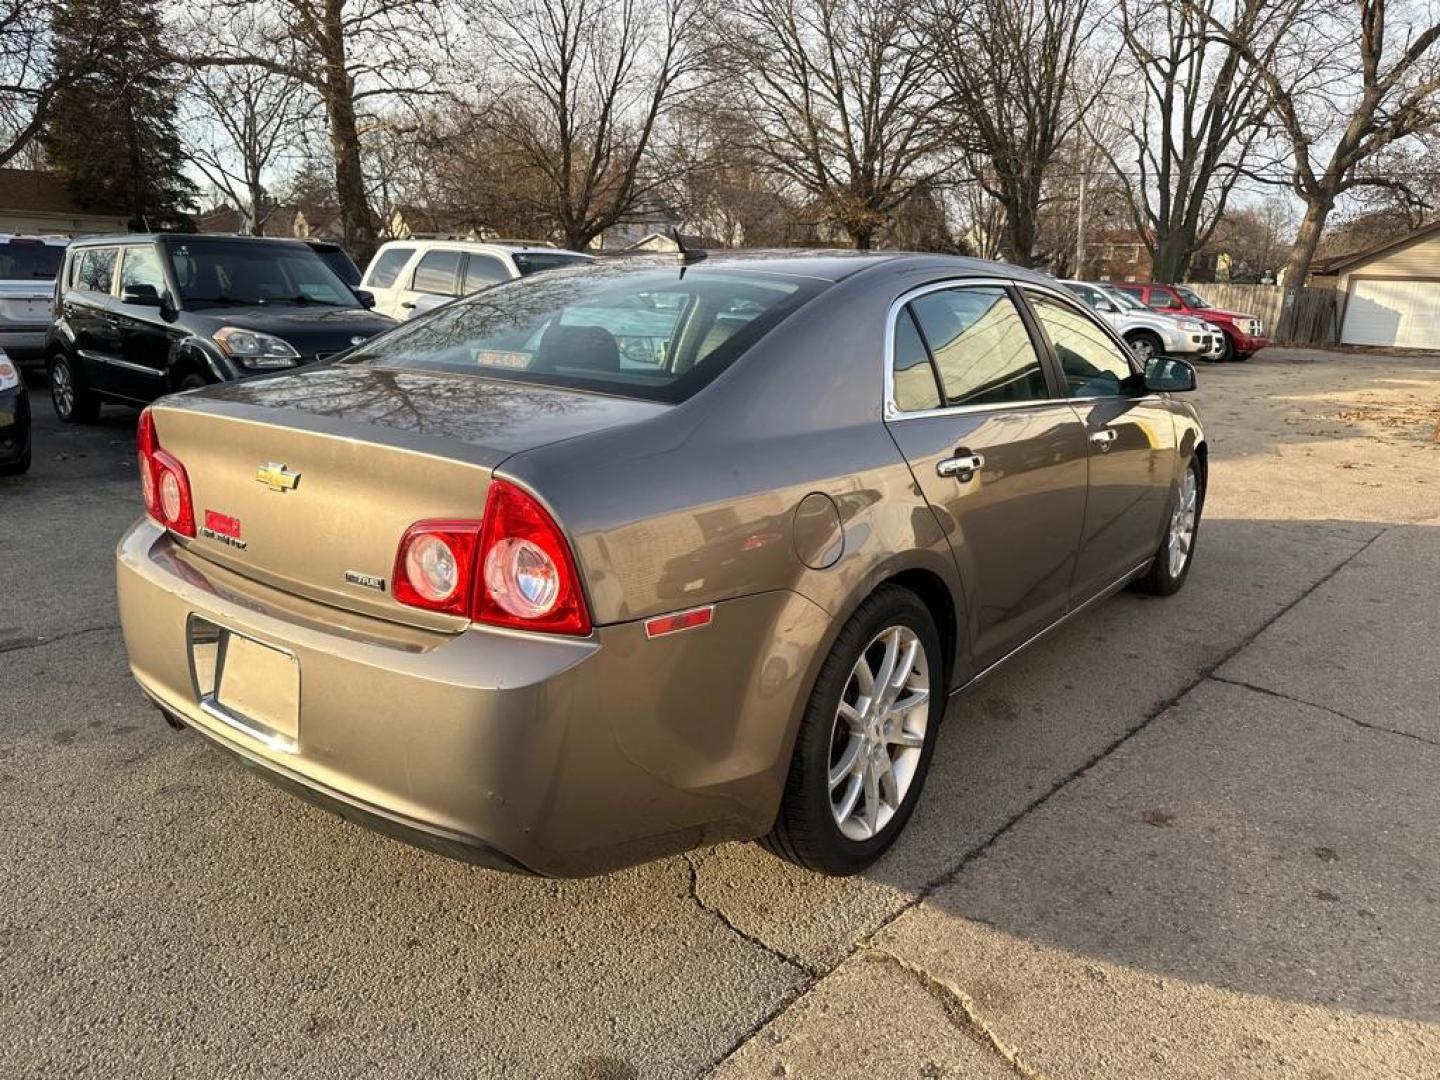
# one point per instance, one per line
(407, 277)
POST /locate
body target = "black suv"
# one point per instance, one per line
(137, 317)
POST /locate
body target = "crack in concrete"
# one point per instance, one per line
(960, 1007)
(694, 862)
(930, 888)
(21, 644)
(1325, 709)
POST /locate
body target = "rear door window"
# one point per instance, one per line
(981, 347)
(438, 273)
(482, 271)
(387, 266)
(912, 372)
(95, 269)
(653, 334)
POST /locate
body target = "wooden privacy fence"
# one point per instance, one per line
(1308, 316)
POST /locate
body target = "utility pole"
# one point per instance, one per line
(1080, 228)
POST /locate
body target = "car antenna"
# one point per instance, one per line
(686, 255)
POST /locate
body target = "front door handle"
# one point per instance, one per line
(1104, 437)
(962, 466)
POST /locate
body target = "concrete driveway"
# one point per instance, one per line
(1181, 838)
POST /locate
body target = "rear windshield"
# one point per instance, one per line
(653, 334)
(29, 260)
(218, 273)
(532, 262)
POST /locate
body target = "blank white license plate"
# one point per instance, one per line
(259, 684)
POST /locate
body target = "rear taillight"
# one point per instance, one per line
(163, 481)
(512, 568)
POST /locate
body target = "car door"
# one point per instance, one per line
(88, 310)
(142, 364)
(1131, 438)
(436, 274)
(997, 451)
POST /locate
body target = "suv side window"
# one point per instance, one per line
(141, 266)
(95, 269)
(1162, 300)
(482, 271)
(1094, 365)
(980, 345)
(437, 273)
(387, 266)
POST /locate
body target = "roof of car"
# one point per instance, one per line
(509, 247)
(150, 238)
(838, 264)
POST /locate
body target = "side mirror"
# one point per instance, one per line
(1169, 375)
(140, 295)
(1105, 306)
(366, 298)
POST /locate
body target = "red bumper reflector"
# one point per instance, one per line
(681, 620)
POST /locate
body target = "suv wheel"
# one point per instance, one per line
(866, 738)
(74, 404)
(1145, 346)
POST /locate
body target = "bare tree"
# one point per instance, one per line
(844, 102)
(351, 53)
(1019, 77)
(29, 78)
(585, 86)
(243, 120)
(1201, 114)
(1337, 118)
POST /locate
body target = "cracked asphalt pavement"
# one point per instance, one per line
(1191, 837)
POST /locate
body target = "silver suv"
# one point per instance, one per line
(1150, 333)
(28, 267)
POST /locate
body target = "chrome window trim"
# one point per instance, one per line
(892, 412)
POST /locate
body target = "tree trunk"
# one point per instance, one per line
(1302, 252)
(1018, 243)
(357, 224)
(1172, 258)
(863, 238)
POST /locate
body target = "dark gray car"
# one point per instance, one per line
(603, 564)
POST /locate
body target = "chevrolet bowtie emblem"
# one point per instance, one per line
(277, 478)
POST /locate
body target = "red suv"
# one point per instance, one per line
(1244, 335)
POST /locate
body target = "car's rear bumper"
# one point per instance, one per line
(24, 345)
(553, 755)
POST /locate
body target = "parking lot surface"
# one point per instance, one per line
(1179, 838)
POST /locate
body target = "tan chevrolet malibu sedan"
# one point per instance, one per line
(600, 565)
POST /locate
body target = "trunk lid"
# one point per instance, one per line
(26, 303)
(365, 454)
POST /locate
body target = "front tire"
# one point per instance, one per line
(866, 738)
(18, 466)
(1172, 562)
(1145, 346)
(73, 401)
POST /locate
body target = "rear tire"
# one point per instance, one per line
(1176, 555)
(73, 401)
(192, 381)
(878, 744)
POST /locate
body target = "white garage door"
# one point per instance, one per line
(1403, 313)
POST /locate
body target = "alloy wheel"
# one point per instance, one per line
(878, 734)
(1182, 524)
(1144, 349)
(62, 389)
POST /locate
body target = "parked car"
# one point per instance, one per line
(137, 317)
(14, 419)
(28, 265)
(517, 583)
(1150, 333)
(410, 277)
(338, 259)
(1244, 334)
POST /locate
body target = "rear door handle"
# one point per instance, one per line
(962, 466)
